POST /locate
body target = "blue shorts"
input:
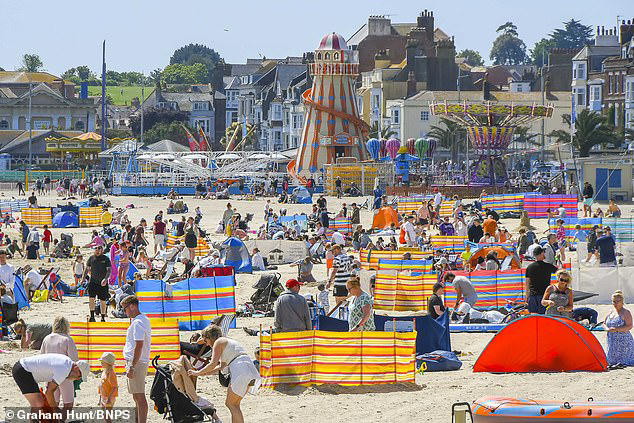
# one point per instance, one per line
(535, 304)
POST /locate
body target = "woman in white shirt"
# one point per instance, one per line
(230, 358)
(60, 342)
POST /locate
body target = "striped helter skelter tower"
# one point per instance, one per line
(332, 127)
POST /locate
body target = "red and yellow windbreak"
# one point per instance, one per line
(343, 358)
(37, 217)
(90, 216)
(370, 258)
(201, 250)
(401, 291)
(95, 338)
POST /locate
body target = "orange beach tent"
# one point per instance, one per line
(502, 254)
(539, 343)
(384, 218)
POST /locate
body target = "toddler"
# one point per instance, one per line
(108, 386)
(322, 297)
(78, 269)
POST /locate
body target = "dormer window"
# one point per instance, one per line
(201, 105)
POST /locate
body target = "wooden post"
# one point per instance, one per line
(394, 347)
(260, 359)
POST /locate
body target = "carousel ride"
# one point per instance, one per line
(490, 128)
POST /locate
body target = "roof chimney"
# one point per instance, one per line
(411, 84)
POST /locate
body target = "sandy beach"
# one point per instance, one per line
(429, 400)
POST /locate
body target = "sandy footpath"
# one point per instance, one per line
(428, 401)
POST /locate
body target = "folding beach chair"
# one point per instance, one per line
(201, 359)
(41, 293)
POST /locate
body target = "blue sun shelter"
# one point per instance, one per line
(235, 253)
(66, 219)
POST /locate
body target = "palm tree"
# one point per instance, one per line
(447, 136)
(385, 132)
(591, 128)
(523, 137)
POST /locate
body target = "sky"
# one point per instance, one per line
(142, 35)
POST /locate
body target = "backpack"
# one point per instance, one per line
(439, 361)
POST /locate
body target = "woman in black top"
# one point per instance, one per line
(435, 304)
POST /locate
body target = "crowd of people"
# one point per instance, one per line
(106, 276)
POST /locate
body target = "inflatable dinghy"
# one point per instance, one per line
(511, 410)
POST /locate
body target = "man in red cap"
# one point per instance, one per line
(291, 310)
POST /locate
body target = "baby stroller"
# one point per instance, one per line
(268, 288)
(172, 403)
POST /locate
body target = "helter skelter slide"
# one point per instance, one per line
(332, 127)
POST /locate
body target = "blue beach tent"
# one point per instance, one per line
(65, 219)
(235, 254)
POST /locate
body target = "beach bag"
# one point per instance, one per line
(439, 361)
(40, 296)
(224, 380)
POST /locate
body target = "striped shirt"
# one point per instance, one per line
(343, 263)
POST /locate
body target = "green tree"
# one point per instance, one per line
(591, 128)
(31, 63)
(471, 57)
(508, 48)
(448, 137)
(68, 74)
(385, 132)
(198, 53)
(524, 139)
(185, 74)
(84, 73)
(539, 53)
(573, 35)
(167, 131)
(153, 117)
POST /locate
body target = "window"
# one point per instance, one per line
(234, 116)
(286, 118)
(201, 105)
(336, 56)
(376, 100)
(581, 71)
(519, 88)
(4, 124)
(595, 93)
(79, 125)
(297, 121)
(395, 116)
(611, 84)
(581, 96)
(204, 124)
(276, 110)
(629, 91)
(327, 56)
(424, 115)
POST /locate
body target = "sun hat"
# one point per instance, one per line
(108, 358)
(84, 368)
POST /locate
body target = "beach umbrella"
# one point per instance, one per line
(383, 149)
(392, 145)
(431, 147)
(410, 145)
(421, 147)
(374, 147)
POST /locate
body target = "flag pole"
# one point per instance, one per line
(103, 104)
